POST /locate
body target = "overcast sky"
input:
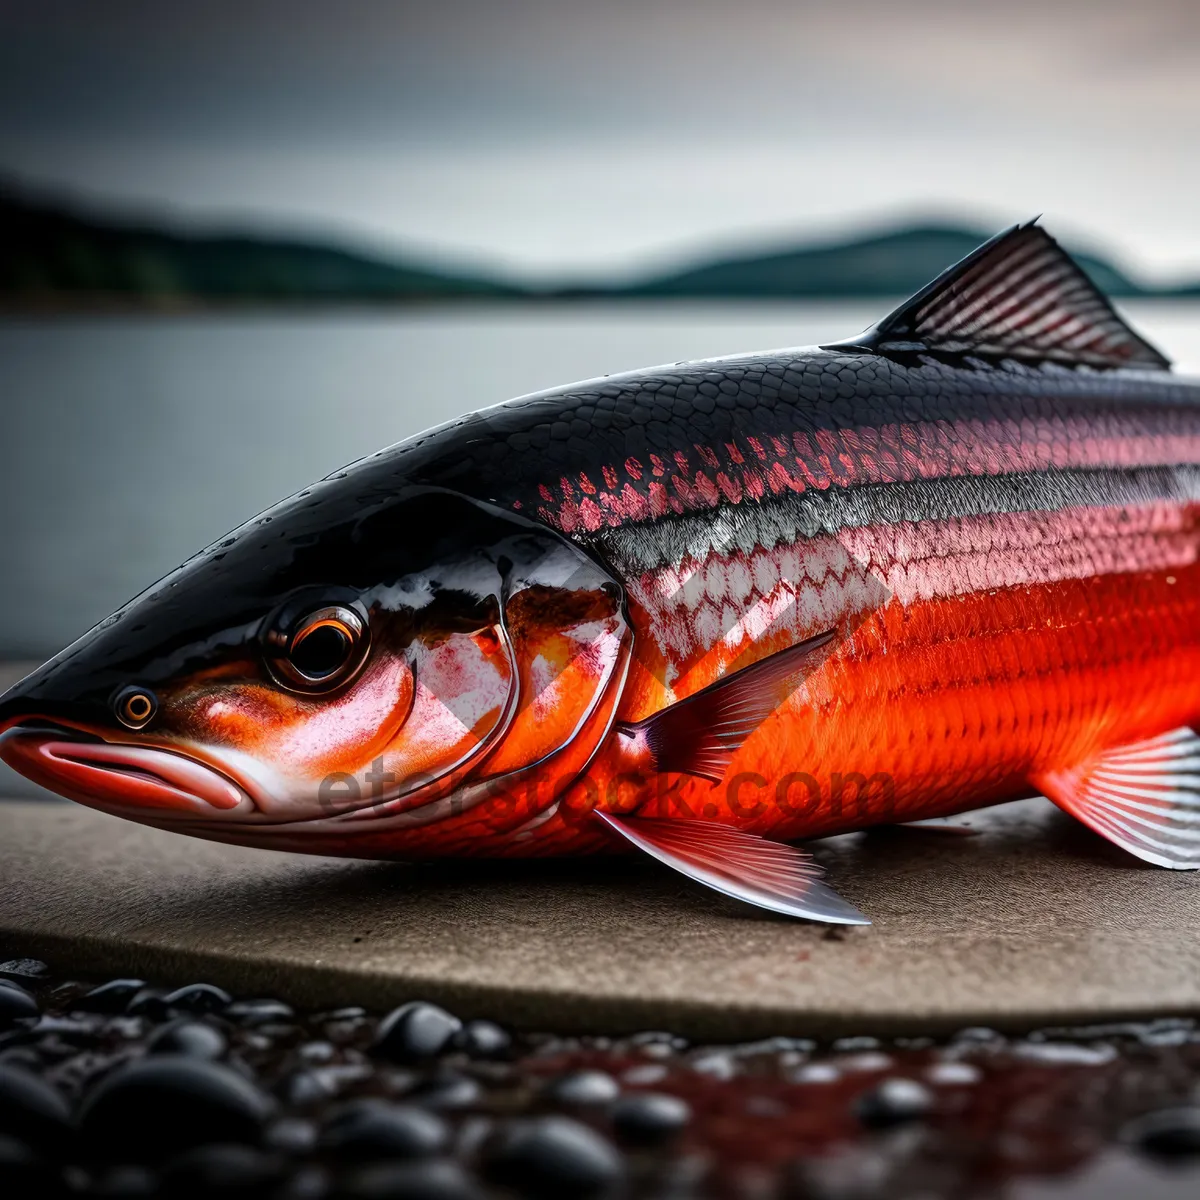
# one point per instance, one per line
(552, 136)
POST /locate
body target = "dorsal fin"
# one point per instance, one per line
(1019, 296)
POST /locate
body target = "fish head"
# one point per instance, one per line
(360, 660)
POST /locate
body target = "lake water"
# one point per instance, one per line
(130, 442)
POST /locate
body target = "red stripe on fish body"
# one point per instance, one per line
(933, 707)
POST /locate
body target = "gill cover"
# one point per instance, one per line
(360, 659)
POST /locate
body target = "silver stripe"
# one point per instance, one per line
(788, 518)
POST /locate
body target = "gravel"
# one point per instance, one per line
(175, 1088)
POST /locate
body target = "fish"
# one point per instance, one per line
(702, 612)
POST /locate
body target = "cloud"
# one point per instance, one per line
(560, 135)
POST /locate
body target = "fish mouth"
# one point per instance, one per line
(137, 779)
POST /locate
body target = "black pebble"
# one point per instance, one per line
(150, 1003)
(125, 1181)
(259, 1012)
(303, 1089)
(317, 1052)
(291, 1135)
(23, 1173)
(582, 1088)
(447, 1090)
(166, 1104)
(111, 997)
(649, 1118)
(25, 1057)
(221, 1170)
(415, 1032)
(894, 1102)
(1173, 1133)
(24, 968)
(199, 998)
(434, 1179)
(16, 1004)
(31, 1110)
(552, 1157)
(370, 1129)
(194, 1039)
(482, 1039)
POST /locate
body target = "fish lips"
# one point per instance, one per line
(139, 780)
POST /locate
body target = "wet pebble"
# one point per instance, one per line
(167, 1104)
(1065, 1053)
(32, 1111)
(317, 1053)
(259, 1012)
(1173, 1133)
(855, 1045)
(415, 1032)
(582, 1088)
(76, 1029)
(371, 1129)
(482, 1039)
(437, 1179)
(553, 1157)
(894, 1102)
(24, 1173)
(194, 1039)
(303, 1089)
(657, 1037)
(126, 1180)
(25, 1057)
(111, 997)
(24, 968)
(447, 1090)
(345, 1025)
(16, 1005)
(644, 1073)
(818, 1072)
(978, 1035)
(868, 1061)
(199, 998)
(221, 1170)
(953, 1073)
(307, 1182)
(291, 1135)
(649, 1118)
(150, 1003)
(718, 1064)
(547, 1115)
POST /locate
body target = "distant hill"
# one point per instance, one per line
(52, 255)
(895, 263)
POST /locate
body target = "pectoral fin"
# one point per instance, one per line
(768, 874)
(700, 735)
(1144, 797)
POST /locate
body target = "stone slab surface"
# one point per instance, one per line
(1033, 921)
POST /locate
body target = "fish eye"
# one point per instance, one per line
(321, 650)
(135, 706)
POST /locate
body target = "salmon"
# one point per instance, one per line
(701, 611)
